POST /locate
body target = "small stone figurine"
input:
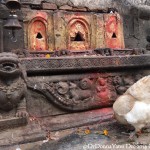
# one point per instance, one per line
(133, 107)
(12, 85)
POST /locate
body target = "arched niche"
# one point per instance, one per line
(113, 32)
(37, 34)
(78, 34)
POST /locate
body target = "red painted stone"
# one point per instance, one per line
(78, 35)
(103, 94)
(101, 82)
(113, 32)
(38, 38)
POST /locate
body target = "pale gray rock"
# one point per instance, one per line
(140, 8)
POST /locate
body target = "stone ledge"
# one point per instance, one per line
(65, 7)
(37, 129)
(49, 6)
(12, 122)
(77, 119)
(64, 64)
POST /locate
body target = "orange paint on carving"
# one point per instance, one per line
(78, 35)
(102, 90)
(42, 15)
(113, 32)
(38, 38)
(103, 94)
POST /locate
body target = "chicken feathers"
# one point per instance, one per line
(134, 106)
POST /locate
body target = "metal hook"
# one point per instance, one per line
(13, 37)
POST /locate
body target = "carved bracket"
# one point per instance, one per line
(82, 92)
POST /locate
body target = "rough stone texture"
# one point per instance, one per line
(38, 129)
(21, 135)
(65, 7)
(98, 4)
(12, 122)
(36, 100)
(123, 6)
(117, 136)
(50, 6)
(75, 139)
(77, 119)
(135, 31)
(79, 9)
(136, 28)
(64, 26)
(36, 2)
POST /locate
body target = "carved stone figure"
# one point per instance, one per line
(122, 83)
(12, 85)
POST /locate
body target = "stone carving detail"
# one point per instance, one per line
(12, 84)
(96, 52)
(122, 83)
(85, 84)
(69, 93)
(37, 34)
(62, 88)
(80, 93)
(77, 92)
(83, 63)
(78, 34)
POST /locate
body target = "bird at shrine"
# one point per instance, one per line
(133, 107)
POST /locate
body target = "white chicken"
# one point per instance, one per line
(134, 106)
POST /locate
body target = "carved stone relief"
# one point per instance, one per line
(122, 83)
(13, 88)
(77, 92)
(78, 34)
(73, 31)
(113, 31)
(38, 34)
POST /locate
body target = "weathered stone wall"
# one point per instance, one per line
(124, 6)
(59, 86)
(135, 32)
(135, 18)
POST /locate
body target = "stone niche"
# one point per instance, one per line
(60, 30)
(64, 91)
(38, 30)
(37, 34)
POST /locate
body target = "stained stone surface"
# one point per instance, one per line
(135, 19)
(98, 4)
(72, 139)
(45, 118)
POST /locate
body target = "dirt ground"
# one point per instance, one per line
(104, 136)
